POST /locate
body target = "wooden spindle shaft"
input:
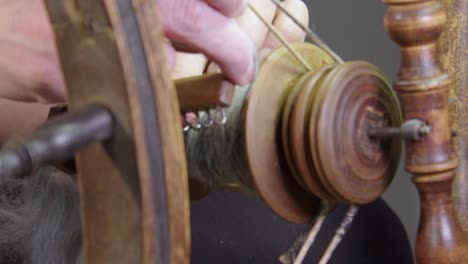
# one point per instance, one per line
(423, 91)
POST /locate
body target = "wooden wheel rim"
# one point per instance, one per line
(138, 210)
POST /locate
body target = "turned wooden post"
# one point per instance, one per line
(423, 87)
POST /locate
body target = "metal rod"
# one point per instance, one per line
(384, 132)
(309, 32)
(281, 38)
(56, 141)
(413, 129)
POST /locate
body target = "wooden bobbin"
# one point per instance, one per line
(306, 133)
(423, 90)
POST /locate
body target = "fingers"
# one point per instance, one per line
(29, 65)
(188, 64)
(208, 31)
(24, 80)
(290, 31)
(252, 25)
(229, 8)
(222, 41)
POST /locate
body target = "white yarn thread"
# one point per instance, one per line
(340, 233)
(312, 235)
(305, 241)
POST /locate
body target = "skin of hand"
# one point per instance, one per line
(45, 83)
(30, 74)
(192, 64)
(208, 27)
(29, 65)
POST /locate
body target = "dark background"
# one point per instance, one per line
(238, 228)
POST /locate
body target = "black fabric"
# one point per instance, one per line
(233, 228)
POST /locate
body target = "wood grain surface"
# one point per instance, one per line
(423, 88)
(453, 51)
(133, 189)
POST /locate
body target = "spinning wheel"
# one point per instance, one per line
(303, 106)
(328, 134)
(137, 212)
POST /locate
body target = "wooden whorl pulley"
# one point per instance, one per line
(306, 133)
(349, 165)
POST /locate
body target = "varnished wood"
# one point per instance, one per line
(352, 166)
(174, 169)
(313, 144)
(453, 53)
(295, 133)
(423, 90)
(133, 188)
(95, 42)
(264, 106)
(204, 92)
(324, 132)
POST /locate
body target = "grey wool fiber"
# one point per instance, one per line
(40, 220)
(40, 215)
(216, 155)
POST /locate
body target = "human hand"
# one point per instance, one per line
(187, 64)
(207, 27)
(30, 69)
(29, 65)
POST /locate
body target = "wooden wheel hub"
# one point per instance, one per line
(306, 133)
